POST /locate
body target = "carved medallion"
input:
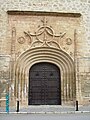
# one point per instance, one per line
(21, 40)
(68, 41)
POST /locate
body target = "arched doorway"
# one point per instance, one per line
(50, 55)
(44, 84)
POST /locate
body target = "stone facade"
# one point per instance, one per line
(60, 27)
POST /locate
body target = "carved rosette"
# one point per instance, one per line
(68, 41)
(21, 40)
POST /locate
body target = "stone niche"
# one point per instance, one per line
(29, 31)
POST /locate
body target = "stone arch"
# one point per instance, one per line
(45, 54)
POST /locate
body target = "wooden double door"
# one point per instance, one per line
(44, 84)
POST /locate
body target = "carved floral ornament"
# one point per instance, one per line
(43, 30)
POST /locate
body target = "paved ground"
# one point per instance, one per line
(78, 116)
(31, 109)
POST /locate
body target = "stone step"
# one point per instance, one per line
(47, 109)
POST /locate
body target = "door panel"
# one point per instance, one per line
(44, 85)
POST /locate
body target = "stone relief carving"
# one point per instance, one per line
(21, 40)
(41, 35)
(13, 40)
(43, 41)
(44, 33)
(68, 41)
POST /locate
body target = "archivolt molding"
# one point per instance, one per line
(45, 54)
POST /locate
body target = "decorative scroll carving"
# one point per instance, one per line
(45, 36)
(28, 37)
(42, 41)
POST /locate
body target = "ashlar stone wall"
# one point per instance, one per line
(82, 45)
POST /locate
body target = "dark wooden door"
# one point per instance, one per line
(44, 85)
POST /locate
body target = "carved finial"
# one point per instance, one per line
(13, 32)
(44, 21)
